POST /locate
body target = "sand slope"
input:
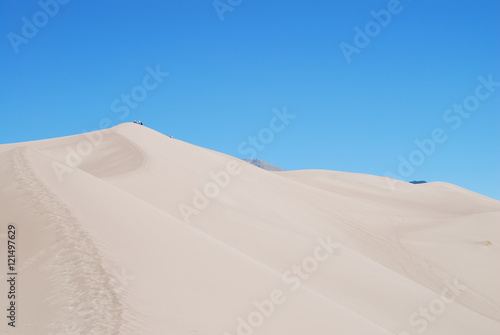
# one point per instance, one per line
(127, 231)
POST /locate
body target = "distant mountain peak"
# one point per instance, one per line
(264, 165)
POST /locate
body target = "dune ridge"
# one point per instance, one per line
(105, 248)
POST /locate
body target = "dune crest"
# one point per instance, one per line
(104, 245)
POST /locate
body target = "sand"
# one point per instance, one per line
(128, 231)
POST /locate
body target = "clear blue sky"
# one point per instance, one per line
(226, 77)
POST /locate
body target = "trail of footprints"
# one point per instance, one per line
(82, 287)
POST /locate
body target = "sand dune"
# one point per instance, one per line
(127, 231)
